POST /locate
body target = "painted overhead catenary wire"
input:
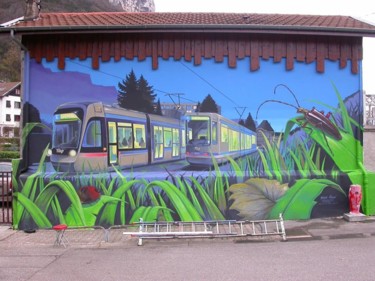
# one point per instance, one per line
(167, 93)
(199, 76)
(210, 84)
(118, 77)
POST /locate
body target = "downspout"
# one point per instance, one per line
(18, 42)
(360, 158)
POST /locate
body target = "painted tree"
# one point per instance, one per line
(146, 95)
(158, 108)
(128, 92)
(208, 105)
(250, 123)
(136, 94)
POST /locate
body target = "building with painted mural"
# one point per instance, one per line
(105, 155)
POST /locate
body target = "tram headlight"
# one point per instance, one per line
(49, 152)
(72, 153)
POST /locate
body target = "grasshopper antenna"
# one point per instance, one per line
(256, 117)
(290, 91)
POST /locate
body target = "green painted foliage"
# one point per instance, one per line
(299, 200)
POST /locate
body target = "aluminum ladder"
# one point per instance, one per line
(207, 229)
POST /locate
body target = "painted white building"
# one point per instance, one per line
(10, 108)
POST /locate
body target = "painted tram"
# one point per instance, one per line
(212, 136)
(91, 136)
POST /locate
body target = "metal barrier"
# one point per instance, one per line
(6, 197)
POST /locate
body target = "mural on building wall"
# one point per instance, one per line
(188, 143)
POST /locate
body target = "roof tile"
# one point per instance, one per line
(184, 20)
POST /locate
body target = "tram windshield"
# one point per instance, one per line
(198, 128)
(66, 130)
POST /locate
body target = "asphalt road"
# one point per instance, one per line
(337, 259)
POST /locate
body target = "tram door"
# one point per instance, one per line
(112, 143)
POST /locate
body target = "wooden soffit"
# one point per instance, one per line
(195, 47)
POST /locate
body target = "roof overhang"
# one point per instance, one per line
(222, 28)
(53, 23)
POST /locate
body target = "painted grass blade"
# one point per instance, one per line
(195, 200)
(92, 210)
(166, 211)
(236, 168)
(181, 203)
(31, 208)
(213, 210)
(148, 214)
(109, 212)
(49, 192)
(266, 168)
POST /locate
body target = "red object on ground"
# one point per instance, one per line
(355, 198)
(60, 238)
(60, 227)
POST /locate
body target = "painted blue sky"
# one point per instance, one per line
(235, 90)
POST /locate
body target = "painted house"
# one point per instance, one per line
(108, 158)
(10, 108)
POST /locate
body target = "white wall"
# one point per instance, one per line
(12, 111)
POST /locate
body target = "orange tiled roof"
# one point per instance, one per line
(188, 21)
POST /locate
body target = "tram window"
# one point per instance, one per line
(112, 133)
(140, 135)
(129, 136)
(122, 140)
(168, 137)
(183, 140)
(224, 133)
(189, 134)
(230, 139)
(66, 130)
(234, 140)
(158, 142)
(125, 135)
(112, 154)
(243, 141)
(176, 142)
(214, 132)
(199, 126)
(112, 137)
(93, 135)
(248, 142)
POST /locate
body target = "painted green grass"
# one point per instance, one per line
(125, 199)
